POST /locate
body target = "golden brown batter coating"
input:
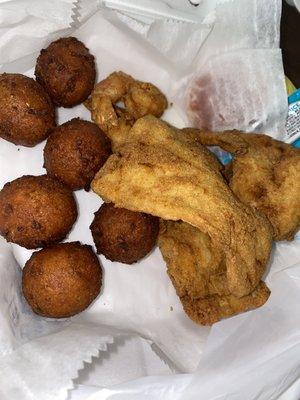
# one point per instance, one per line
(198, 273)
(62, 280)
(265, 174)
(36, 211)
(198, 269)
(139, 99)
(75, 151)
(27, 115)
(211, 309)
(144, 98)
(123, 235)
(162, 172)
(66, 70)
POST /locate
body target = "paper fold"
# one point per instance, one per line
(32, 372)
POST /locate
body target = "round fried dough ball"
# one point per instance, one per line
(75, 152)
(62, 280)
(27, 114)
(36, 211)
(123, 235)
(66, 70)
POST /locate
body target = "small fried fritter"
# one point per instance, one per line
(75, 152)
(27, 114)
(194, 266)
(139, 99)
(62, 280)
(66, 70)
(36, 211)
(123, 235)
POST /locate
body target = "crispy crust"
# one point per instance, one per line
(75, 151)
(66, 70)
(265, 174)
(139, 99)
(27, 115)
(123, 235)
(62, 280)
(161, 172)
(209, 310)
(36, 211)
(198, 273)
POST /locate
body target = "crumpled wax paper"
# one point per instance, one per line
(129, 358)
(28, 25)
(239, 82)
(251, 356)
(138, 299)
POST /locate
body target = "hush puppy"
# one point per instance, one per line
(36, 211)
(62, 280)
(123, 235)
(27, 114)
(66, 70)
(75, 152)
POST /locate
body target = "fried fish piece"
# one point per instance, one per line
(198, 273)
(139, 99)
(195, 268)
(212, 309)
(161, 171)
(265, 174)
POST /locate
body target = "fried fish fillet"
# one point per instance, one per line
(139, 99)
(195, 268)
(198, 273)
(163, 172)
(265, 174)
(212, 309)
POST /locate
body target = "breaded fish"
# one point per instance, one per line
(265, 174)
(162, 171)
(212, 309)
(139, 99)
(198, 273)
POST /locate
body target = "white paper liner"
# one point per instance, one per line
(137, 298)
(34, 372)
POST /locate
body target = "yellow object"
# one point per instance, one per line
(289, 86)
